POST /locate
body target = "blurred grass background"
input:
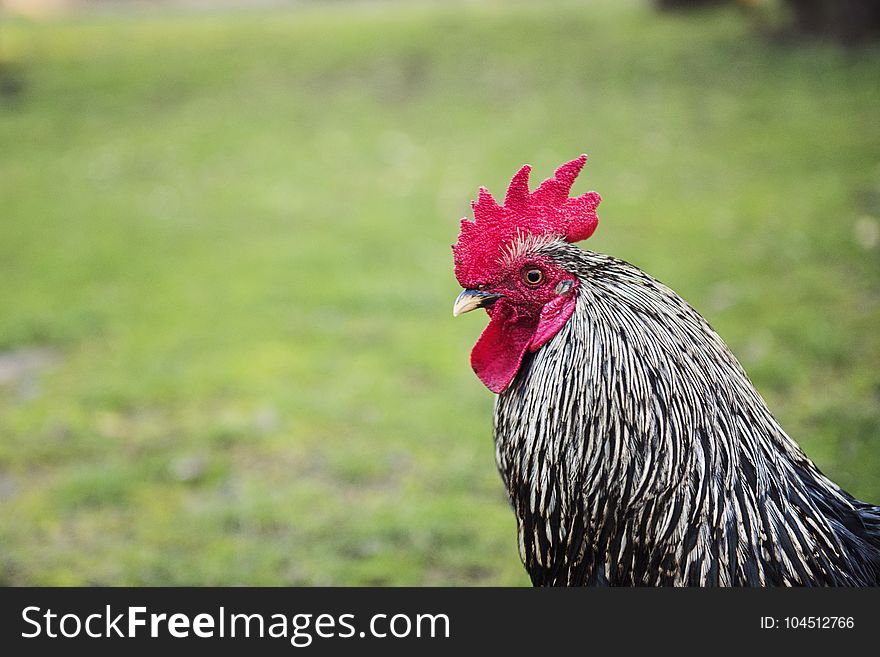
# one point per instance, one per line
(226, 348)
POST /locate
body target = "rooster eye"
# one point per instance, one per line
(534, 276)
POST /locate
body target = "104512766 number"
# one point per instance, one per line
(818, 622)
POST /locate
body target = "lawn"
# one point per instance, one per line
(227, 354)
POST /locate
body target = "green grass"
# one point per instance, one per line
(230, 234)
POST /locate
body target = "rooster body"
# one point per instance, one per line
(636, 451)
(634, 448)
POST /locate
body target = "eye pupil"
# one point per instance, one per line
(534, 276)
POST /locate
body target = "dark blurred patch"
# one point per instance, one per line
(12, 83)
(847, 21)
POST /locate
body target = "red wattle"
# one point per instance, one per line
(498, 354)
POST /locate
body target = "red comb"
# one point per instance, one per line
(546, 211)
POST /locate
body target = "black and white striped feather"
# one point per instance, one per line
(636, 451)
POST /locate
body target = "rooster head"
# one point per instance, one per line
(528, 297)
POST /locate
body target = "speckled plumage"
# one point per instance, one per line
(636, 451)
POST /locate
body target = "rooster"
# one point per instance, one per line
(634, 448)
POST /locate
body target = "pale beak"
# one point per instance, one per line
(470, 300)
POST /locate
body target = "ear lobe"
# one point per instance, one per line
(564, 287)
